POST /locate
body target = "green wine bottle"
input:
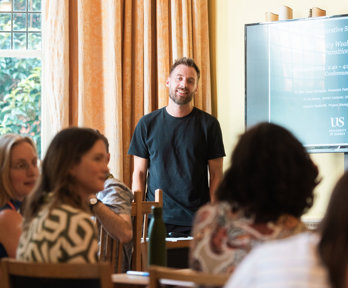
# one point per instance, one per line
(157, 252)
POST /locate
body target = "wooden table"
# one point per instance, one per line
(124, 280)
(182, 242)
(177, 252)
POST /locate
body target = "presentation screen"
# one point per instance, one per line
(297, 76)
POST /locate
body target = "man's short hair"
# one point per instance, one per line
(187, 62)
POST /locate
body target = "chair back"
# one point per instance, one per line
(111, 250)
(184, 277)
(19, 274)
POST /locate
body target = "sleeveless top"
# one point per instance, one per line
(10, 205)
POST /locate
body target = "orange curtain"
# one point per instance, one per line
(105, 64)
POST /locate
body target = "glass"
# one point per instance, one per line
(19, 41)
(5, 5)
(34, 23)
(34, 5)
(19, 5)
(5, 40)
(34, 41)
(23, 165)
(5, 22)
(19, 21)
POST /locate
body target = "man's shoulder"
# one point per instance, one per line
(203, 114)
(149, 120)
(152, 115)
(205, 117)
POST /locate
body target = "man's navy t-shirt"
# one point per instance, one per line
(178, 150)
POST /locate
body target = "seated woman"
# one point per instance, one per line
(57, 220)
(262, 196)
(19, 173)
(306, 260)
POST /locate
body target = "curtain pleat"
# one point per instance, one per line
(177, 30)
(187, 29)
(55, 64)
(201, 52)
(150, 91)
(163, 50)
(106, 63)
(90, 55)
(112, 75)
(128, 106)
(72, 65)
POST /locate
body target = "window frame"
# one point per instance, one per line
(26, 31)
(24, 52)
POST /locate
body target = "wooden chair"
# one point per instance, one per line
(18, 274)
(110, 247)
(110, 250)
(184, 277)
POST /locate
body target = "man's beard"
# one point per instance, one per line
(181, 100)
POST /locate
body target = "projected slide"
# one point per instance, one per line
(309, 80)
(301, 79)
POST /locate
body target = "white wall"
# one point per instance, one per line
(227, 21)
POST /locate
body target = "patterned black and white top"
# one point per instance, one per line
(63, 234)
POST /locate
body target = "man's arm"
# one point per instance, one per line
(119, 226)
(139, 174)
(215, 173)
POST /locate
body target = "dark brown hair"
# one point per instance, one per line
(56, 185)
(270, 174)
(187, 62)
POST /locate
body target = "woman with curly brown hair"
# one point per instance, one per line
(313, 259)
(262, 196)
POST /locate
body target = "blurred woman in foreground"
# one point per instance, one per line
(307, 260)
(57, 220)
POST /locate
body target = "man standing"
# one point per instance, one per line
(174, 147)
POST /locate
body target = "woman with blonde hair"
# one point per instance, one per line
(18, 176)
(57, 217)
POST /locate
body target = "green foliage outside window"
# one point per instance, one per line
(20, 78)
(20, 94)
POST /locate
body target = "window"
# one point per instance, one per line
(20, 68)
